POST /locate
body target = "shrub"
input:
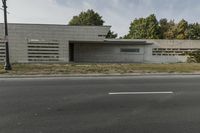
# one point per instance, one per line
(194, 57)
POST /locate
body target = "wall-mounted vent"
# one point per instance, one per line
(43, 51)
(2, 52)
(130, 50)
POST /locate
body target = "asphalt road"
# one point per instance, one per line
(83, 105)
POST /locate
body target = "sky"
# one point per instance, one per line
(117, 13)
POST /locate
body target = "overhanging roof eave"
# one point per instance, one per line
(112, 42)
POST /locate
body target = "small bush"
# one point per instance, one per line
(194, 57)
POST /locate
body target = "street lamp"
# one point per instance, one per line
(7, 65)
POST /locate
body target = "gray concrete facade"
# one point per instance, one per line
(150, 51)
(108, 53)
(170, 51)
(44, 43)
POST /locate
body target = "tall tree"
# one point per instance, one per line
(91, 18)
(164, 27)
(171, 30)
(194, 31)
(182, 30)
(144, 28)
(87, 18)
(167, 29)
(137, 29)
(152, 27)
(111, 34)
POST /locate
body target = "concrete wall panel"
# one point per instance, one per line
(19, 34)
(105, 53)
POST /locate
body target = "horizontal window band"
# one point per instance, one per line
(43, 44)
(131, 50)
(43, 56)
(37, 60)
(42, 50)
(43, 47)
(45, 53)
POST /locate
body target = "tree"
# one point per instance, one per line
(87, 18)
(194, 31)
(182, 30)
(144, 28)
(164, 27)
(90, 18)
(137, 29)
(167, 29)
(111, 34)
(171, 30)
(152, 27)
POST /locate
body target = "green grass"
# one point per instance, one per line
(46, 69)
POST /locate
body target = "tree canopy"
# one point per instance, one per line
(151, 28)
(90, 18)
(87, 18)
(194, 31)
(144, 28)
(182, 28)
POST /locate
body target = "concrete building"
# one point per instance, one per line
(35, 43)
(42, 43)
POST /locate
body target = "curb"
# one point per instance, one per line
(100, 75)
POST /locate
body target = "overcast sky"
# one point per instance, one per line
(118, 13)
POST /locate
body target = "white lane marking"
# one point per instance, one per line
(139, 93)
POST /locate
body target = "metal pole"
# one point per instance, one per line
(7, 65)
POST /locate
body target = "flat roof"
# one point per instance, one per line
(113, 41)
(43, 24)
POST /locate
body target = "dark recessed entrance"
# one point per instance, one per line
(71, 52)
